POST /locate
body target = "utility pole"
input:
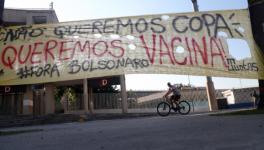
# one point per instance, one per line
(195, 5)
(209, 84)
(2, 3)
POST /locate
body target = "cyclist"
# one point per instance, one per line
(175, 90)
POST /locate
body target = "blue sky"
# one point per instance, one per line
(71, 10)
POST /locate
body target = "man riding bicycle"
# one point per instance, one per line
(176, 93)
(173, 103)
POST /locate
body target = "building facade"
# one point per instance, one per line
(237, 96)
(27, 99)
(15, 17)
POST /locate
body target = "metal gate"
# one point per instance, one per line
(38, 102)
(11, 104)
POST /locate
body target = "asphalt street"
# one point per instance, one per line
(149, 133)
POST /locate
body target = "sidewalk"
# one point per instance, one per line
(20, 121)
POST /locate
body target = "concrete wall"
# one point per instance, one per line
(49, 99)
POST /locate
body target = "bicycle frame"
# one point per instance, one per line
(171, 102)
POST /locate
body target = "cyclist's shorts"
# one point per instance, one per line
(175, 97)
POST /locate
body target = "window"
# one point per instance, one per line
(39, 19)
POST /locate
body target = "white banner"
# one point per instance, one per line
(186, 43)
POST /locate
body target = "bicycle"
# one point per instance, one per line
(164, 108)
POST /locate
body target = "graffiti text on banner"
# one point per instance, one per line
(187, 43)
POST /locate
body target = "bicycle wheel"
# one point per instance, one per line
(184, 107)
(163, 109)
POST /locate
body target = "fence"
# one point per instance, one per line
(147, 101)
(11, 104)
(107, 101)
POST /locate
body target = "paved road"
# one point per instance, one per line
(151, 133)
